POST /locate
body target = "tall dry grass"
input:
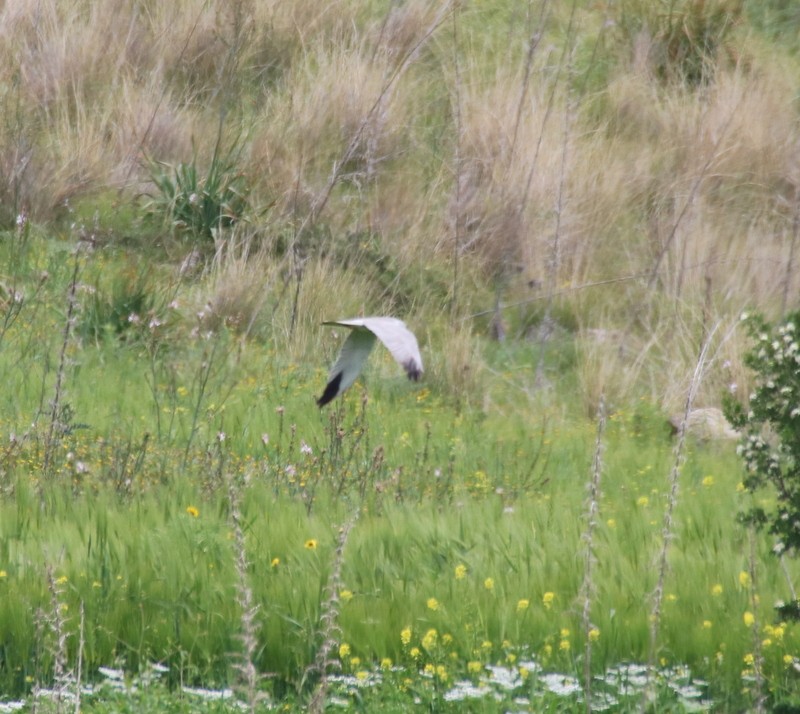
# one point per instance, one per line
(389, 143)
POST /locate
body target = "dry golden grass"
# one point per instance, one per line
(424, 161)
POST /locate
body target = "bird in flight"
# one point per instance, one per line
(394, 334)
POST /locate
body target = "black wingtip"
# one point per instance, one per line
(331, 390)
(413, 370)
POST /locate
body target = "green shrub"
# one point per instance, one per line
(196, 205)
(770, 426)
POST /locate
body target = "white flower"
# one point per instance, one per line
(560, 684)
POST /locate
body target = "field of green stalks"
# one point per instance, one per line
(570, 204)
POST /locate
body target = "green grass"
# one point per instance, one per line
(471, 524)
(129, 417)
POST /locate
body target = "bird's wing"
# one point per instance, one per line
(397, 338)
(355, 350)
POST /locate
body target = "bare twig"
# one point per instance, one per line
(458, 162)
(554, 259)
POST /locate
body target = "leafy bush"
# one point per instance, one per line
(199, 205)
(770, 426)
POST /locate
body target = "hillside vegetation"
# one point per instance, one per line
(571, 204)
(626, 173)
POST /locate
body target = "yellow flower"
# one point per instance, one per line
(716, 590)
(386, 663)
(523, 604)
(355, 661)
(344, 650)
(311, 544)
(3, 574)
(429, 640)
(441, 672)
(564, 645)
(405, 635)
(97, 584)
(706, 624)
(192, 511)
(489, 583)
(547, 600)
(564, 633)
(447, 639)
(642, 501)
(524, 672)
(474, 667)
(433, 603)
(594, 634)
(740, 487)
(749, 659)
(414, 652)
(708, 481)
(461, 572)
(671, 597)
(429, 669)
(788, 659)
(744, 578)
(62, 580)
(346, 595)
(749, 619)
(361, 674)
(611, 523)
(486, 645)
(766, 642)
(275, 562)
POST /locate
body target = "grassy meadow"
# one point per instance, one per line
(571, 204)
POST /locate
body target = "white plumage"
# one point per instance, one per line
(394, 334)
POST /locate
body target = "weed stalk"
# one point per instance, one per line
(590, 560)
(758, 654)
(244, 597)
(58, 627)
(667, 528)
(55, 426)
(329, 622)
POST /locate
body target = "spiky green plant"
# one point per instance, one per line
(197, 204)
